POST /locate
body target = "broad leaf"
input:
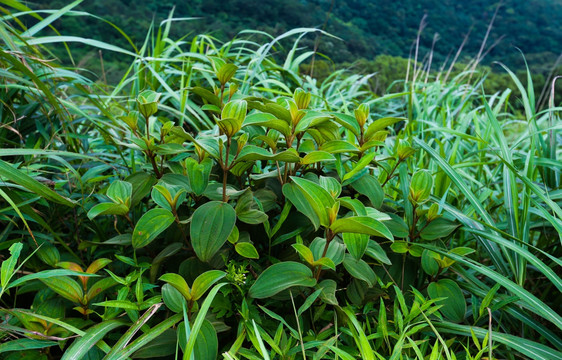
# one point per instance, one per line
(179, 283)
(279, 277)
(361, 225)
(359, 269)
(204, 281)
(150, 225)
(211, 225)
(454, 304)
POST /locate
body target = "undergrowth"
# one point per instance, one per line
(218, 203)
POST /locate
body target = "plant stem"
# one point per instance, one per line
(391, 173)
(225, 169)
(329, 237)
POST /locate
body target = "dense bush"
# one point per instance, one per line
(217, 203)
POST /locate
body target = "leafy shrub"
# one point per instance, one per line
(216, 203)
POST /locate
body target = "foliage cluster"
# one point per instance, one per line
(218, 203)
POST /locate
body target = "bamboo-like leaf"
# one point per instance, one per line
(124, 340)
(145, 338)
(199, 321)
(526, 347)
(83, 344)
(20, 178)
(491, 248)
(531, 302)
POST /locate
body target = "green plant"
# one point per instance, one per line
(214, 189)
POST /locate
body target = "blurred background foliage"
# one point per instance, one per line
(374, 36)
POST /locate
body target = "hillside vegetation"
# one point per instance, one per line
(218, 202)
(367, 28)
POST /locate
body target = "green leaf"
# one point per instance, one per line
(369, 186)
(150, 225)
(359, 269)
(325, 263)
(356, 244)
(179, 283)
(380, 124)
(83, 344)
(229, 126)
(198, 174)
(168, 251)
(360, 338)
(25, 344)
(331, 185)
(173, 299)
(253, 153)
(204, 281)
(226, 72)
(252, 216)
(206, 95)
(145, 338)
(8, 266)
(148, 102)
(360, 165)
(211, 224)
(361, 225)
(529, 301)
(279, 277)
(308, 302)
(397, 226)
(317, 156)
(311, 119)
(97, 265)
(347, 121)
(438, 228)
(304, 252)
(10, 173)
(99, 286)
(163, 345)
(49, 254)
(310, 199)
(107, 208)
(247, 250)
(335, 252)
(45, 275)
(328, 294)
(161, 195)
(268, 121)
(233, 115)
(375, 251)
(120, 304)
(454, 304)
(338, 146)
(65, 287)
(531, 349)
(197, 325)
(428, 262)
(142, 184)
(296, 197)
(207, 343)
(120, 192)
(491, 248)
(487, 300)
(420, 186)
